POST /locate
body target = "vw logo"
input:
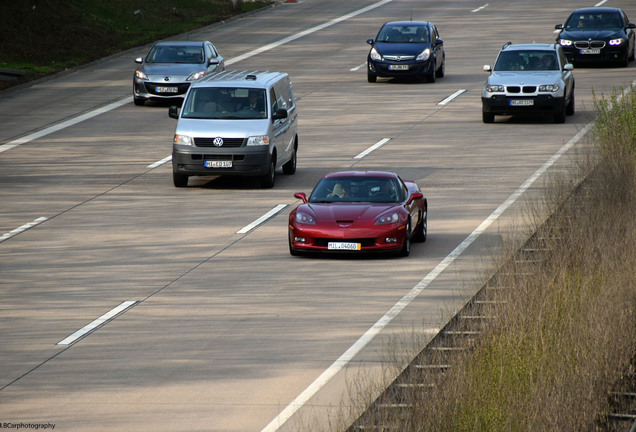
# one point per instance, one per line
(218, 142)
(166, 78)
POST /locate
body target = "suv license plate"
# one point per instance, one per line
(590, 51)
(343, 246)
(398, 67)
(166, 89)
(218, 164)
(521, 102)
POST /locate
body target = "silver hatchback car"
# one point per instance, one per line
(529, 79)
(171, 66)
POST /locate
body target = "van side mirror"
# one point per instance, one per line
(281, 113)
(173, 111)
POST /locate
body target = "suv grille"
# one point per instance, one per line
(227, 142)
(524, 89)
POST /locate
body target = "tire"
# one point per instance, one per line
(569, 110)
(290, 167)
(268, 179)
(560, 116)
(139, 101)
(179, 180)
(406, 246)
(487, 117)
(430, 78)
(371, 77)
(422, 228)
(633, 54)
(292, 252)
(439, 73)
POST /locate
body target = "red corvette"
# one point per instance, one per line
(357, 211)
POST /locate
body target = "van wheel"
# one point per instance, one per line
(267, 179)
(290, 167)
(179, 180)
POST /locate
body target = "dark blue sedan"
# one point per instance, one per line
(406, 49)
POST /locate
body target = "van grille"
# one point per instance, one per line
(227, 142)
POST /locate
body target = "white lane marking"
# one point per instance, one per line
(358, 67)
(479, 8)
(98, 322)
(373, 147)
(65, 124)
(161, 162)
(600, 3)
(451, 97)
(22, 228)
(262, 219)
(306, 32)
(364, 340)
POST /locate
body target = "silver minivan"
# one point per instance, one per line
(240, 123)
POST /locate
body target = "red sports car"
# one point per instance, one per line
(357, 211)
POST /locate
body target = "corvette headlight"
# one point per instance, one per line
(494, 88)
(565, 42)
(616, 42)
(140, 75)
(183, 140)
(424, 55)
(304, 218)
(549, 88)
(386, 219)
(261, 140)
(375, 55)
(195, 76)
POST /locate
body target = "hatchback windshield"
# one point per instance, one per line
(594, 20)
(225, 103)
(357, 189)
(531, 60)
(403, 34)
(175, 54)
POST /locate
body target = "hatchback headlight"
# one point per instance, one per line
(375, 55)
(305, 218)
(494, 88)
(386, 219)
(549, 88)
(616, 42)
(261, 140)
(424, 55)
(140, 75)
(183, 139)
(195, 76)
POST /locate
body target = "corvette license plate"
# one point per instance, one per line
(590, 51)
(343, 246)
(398, 67)
(166, 89)
(521, 102)
(218, 164)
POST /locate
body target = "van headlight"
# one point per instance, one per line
(261, 140)
(183, 139)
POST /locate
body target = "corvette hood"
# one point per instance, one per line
(358, 212)
(404, 49)
(591, 34)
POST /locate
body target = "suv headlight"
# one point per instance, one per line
(494, 88)
(183, 140)
(549, 88)
(565, 42)
(195, 76)
(140, 75)
(616, 42)
(386, 219)
(424, 55)
(261, 140)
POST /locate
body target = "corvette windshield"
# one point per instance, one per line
(228, 103)
(403, 34)
(357, 189)
(594, 20)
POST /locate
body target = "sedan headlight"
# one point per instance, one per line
(183, 140)
(388, 218)
(424, 55)
(305, 218)
(565, 42)
(495, 88)
(195, 76)
(549, 88)
(261, 140)
(616, 42)
(140, 75)
(375, 55)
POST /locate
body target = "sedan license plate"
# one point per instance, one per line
(398, 67)
(521, 102)
(166, 89)
(590, 51)
(343, 246)
(218, 164)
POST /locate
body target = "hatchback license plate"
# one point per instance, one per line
(166, 89)
(521, 102)
(398, 67)
(590, 51)
(343, 246)
(218, 164)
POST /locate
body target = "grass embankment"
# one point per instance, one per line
(44, 37)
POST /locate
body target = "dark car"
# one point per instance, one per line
(171, 66)
(597, 35)
(359, 211)
(406, 49)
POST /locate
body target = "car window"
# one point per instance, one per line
(230, 103)
(357, 189)
(531, 60)
(175, 54)
(594, 20)
(403, 34)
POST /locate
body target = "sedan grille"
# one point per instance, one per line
(398, 57)
(519, 89)
(589, 44)
(227, 142)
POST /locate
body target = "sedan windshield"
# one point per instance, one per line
(403, 34)
(531, 60)
(357, 189)
(594, 20)
(225, 103)
(175, 54)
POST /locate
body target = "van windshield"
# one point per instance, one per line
(225, 103)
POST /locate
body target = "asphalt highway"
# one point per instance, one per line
(127, 304)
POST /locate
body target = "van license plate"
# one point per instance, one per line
(343, 246)
(218, 164)
(166, 89)
(521, 102)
